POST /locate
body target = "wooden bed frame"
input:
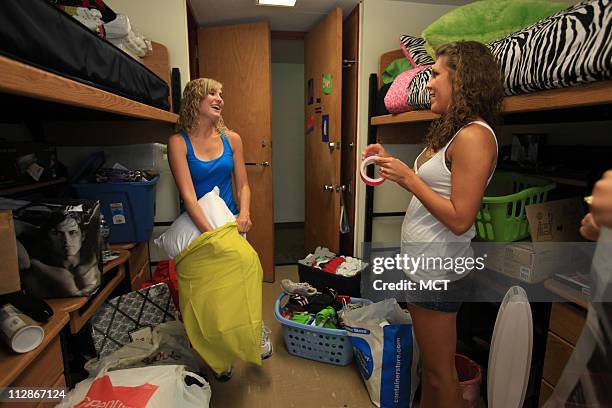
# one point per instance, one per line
(22, 79)
(596, 93)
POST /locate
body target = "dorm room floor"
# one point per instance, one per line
(288, 381)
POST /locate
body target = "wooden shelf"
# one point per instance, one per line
(33, 186)
(567, 292)
(22, 79)
(124, 255)
(406, 117)
(12, 364)
(597, 93)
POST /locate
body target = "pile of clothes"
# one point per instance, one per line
(329, 262)
(307, 305)
(115, 27)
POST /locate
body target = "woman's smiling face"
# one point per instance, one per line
(212, 105)
(440, 86)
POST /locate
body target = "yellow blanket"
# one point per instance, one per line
(219, 277)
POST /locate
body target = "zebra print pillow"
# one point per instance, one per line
(571, 47)
(418, 96)
(414, 50)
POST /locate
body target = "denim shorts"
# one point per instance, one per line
(447, 301)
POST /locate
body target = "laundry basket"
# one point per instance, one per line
(502, 216)
(315, 343)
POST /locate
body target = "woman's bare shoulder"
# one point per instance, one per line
(234, 138)
(232, 135)
(475, 134)
(176, 141)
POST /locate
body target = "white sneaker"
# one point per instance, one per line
(298, 288)
(266, 342)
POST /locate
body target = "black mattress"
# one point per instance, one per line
(39, 34)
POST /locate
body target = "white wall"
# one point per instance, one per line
(162, 21)
(288, 141)
(382, 22)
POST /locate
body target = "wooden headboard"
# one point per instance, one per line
(385, 60)
(159, 62)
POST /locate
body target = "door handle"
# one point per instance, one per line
(333, 145)
(329, 187)
(262, 164)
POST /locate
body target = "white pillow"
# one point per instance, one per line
(183, 231)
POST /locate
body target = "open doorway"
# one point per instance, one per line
(288, 149)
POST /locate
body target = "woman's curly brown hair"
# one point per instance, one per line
(193, 94)
(477, 90)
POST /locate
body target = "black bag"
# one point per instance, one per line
(58, 246)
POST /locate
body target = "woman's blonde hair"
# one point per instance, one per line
(193, 94)
(477, 90)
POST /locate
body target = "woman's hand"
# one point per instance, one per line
(601, 208)
(589, 228)
(244, 222)
(395, 170)
(374, 150)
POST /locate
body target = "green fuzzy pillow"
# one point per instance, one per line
(394, 69)
(487, 20)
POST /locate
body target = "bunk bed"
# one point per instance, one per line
(47, 55)
(409, 127)
(67, 85)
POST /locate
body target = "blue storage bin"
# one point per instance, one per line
(129, 208)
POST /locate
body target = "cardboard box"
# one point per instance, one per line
(536, 260)
(9, 271)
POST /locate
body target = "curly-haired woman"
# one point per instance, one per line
(448, 182)
(205, 154)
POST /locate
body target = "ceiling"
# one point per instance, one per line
(299, 18)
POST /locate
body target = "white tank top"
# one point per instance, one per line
(423, 235)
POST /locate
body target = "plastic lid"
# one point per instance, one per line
(27, 338)
(510, 353)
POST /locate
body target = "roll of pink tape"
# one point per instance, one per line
(369, 181)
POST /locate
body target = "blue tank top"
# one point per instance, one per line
(208, 174)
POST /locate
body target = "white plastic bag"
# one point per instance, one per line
(150, 387)
(183, 231)
(385, 351)
(166, 345)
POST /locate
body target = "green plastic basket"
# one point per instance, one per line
(502, 216)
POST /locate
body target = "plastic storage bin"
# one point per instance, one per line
(128, 208)
(315, 343)
(349, 286)
(502, 216)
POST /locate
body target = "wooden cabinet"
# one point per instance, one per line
(566, 323)
(41, 367)
(139, 268)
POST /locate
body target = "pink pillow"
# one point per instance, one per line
(396, 100)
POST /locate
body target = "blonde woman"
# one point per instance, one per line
(205, 154)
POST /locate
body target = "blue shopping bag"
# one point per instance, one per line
(385, 351)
